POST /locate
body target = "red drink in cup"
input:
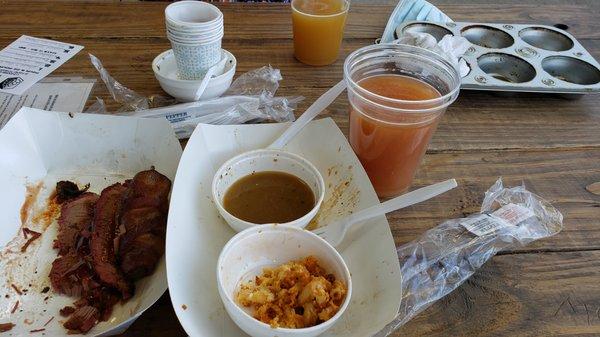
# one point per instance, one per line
(397, 95)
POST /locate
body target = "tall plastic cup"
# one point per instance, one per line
(318, 27)
(390, 135)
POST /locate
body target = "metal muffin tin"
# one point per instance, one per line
(525, 58)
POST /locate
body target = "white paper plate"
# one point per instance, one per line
(44, 147)
(196, 234)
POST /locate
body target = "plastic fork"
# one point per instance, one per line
(334, 232)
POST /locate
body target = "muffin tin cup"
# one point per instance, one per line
(521, 58)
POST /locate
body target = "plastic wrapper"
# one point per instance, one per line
(257, 82)
(249, 99)
(451, 47)
(409, 10)
(224, 110)
(446, 256)
(127, 97)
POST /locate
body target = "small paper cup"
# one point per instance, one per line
(260, 161)
(203, 32)
(195, 38)
(175, 26)
(194, 60)
(192, 14)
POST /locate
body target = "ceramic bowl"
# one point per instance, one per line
(253, 249)
(266, 160)
(165, 71)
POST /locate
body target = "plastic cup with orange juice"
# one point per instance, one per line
(397, 96)
(318, 30)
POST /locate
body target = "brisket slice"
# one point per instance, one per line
(139, 258)
(106, 221)
(149, 189)
(65, 274)
(83, 319)
(76, 215)
(142, 244)
(139, 221)
(145, 222)
(66, 190)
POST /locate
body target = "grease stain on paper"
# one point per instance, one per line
(341, 196)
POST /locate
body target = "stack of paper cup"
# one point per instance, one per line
(195, 29)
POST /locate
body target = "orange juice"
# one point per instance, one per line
(318, 30)
(390, 146)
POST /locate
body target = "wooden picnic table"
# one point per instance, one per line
(552, 144)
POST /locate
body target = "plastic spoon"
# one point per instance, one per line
(334, 232)
(209, 74)
(319, 105)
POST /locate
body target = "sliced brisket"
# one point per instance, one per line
(83, 319)
(106, 242)
(66, 190)
(145, 222)
(76, 215)
(149, 189)
(106, 220)
(140, 257)
(139, 221)
(65, 274)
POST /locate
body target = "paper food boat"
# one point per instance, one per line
(196, 234)
(39, 148)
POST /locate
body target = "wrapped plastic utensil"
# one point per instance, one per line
(250, 99)
(223, 110)
(446, 256)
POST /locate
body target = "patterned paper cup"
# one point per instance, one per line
(194, 60)
(195, 29)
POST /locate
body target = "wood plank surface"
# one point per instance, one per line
(146, 19)
(520, 295)
(561, 177)
(477, 121)
(528, 295)
(549, 288)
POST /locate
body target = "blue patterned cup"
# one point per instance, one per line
(194, 60)
(195, 29)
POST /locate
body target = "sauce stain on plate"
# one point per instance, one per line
(30, 198)
(341, 196)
